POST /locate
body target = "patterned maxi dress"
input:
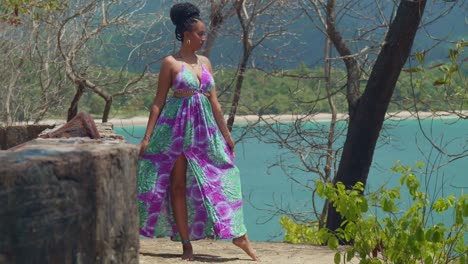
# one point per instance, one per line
(214, 199)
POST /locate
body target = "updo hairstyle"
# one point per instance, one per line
(183, 16)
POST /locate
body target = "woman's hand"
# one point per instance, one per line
(231, 144)
(143, 145)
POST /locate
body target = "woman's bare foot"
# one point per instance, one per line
(187, 253)
(244, 243)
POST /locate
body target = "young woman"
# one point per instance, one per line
(188, 185)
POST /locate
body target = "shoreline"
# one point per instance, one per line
(284, 118)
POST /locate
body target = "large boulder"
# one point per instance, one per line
(69, 201)
(11, 136)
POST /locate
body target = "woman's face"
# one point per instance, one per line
(196, 36)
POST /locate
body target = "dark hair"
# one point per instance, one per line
(183, 16)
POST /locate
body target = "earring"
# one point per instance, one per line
(188, 42)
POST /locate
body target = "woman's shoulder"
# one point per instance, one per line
(204, 59)
(171, 58)
(170, 61)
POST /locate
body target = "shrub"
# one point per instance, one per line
(400, 236)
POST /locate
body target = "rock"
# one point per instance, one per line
(11, 136)
(106, 130)
(69, 201)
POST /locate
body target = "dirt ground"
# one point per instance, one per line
(162, 250)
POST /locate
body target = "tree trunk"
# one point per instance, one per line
(331, 130)
(105, 115)
(216, 20)
(369, 112)
(237, 92)
(8, 115)
(11, 86)
(210, 42)
(73, 109)
(352, 65)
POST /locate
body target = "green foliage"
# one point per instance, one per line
(304, 233)
(441, 86)
(296, 91)
(123, 106)
(290, 91)
(401, 236)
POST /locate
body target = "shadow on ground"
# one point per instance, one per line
(198, 257)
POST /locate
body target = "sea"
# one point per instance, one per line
(275, 184)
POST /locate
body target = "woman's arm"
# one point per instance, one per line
(164, 83)
(218, 112)
(219, 117)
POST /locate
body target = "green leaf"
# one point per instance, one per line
(451, 200)
(444, 68)
(332, 242)
(428, 260)
(440, 205)
(388, 205)
(420, 164)
(337, 258)
(420, 56)
(463, 43)
(439, 82)
(350, 254)
(411, 70)
(436, 65)
(419, 234)
(462, 259)
(436, 236)
(453, 54)
(364, 206)
(465, 210)
(319, 188)
(454, 68)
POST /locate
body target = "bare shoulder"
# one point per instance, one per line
(169, 60)
(169, 63)
(205, 61)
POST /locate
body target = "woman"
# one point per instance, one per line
(186, 169)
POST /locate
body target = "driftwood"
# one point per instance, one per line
(82, 125)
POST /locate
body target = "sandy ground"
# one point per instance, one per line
(162, 250)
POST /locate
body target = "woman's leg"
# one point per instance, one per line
(179, 204)
(244, 243)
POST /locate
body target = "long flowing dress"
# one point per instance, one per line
(214, 199)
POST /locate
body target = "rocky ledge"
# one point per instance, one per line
(69, 200)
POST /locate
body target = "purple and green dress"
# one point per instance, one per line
(214, 199)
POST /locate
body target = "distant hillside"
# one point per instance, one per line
(305, 45)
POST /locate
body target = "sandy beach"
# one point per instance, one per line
(162, 250)
(249, 119)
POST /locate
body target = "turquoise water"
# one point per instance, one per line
(268, 192)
